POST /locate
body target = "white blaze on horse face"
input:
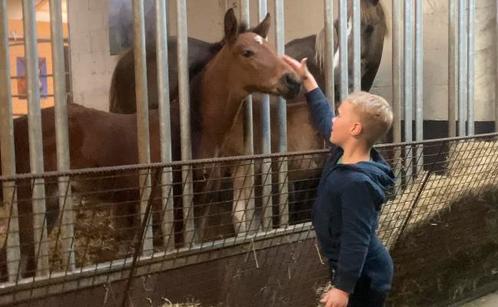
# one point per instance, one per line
(259, 39)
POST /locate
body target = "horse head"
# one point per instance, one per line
(251, 64)
(373, 31)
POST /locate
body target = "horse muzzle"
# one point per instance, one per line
(290, 86)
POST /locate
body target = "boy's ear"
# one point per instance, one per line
(357, 129)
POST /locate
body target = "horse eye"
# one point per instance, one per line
(247, 53)
(369, 29)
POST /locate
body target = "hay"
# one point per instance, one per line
(471, 166)
(94, 237)
(450, 256)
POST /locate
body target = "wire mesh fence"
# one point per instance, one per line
(129, 223)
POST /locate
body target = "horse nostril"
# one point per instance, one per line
(292, 82)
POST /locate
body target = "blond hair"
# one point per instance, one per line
(375, 114)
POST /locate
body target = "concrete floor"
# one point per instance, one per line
(490, 300)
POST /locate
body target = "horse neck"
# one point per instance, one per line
(219, 103)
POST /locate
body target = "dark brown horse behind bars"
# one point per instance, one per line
(373, 31)
(301, 133)
(243, 64)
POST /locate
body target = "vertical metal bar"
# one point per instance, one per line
(185, 133)
(496, 68)
(248, 118)
(248, 184)
(7, 152)
(142, 115)
(329, 52)
(419, 80)
(266, 143)
(452, 68)
(408, 82)
(61, 123)
(397, 66)
(167, 218)
(397, 81)
(35, 138)
(462, 66)
(343, 48)
(282, 119)
(471, 68)
(356, 45)
(245, 9)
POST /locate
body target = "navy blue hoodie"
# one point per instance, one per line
(346, 211)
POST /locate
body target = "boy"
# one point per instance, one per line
(350, 195)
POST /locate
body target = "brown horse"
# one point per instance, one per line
(244, 63)
(373, 31)
(301, 134)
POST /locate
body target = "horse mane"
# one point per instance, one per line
(368, 15)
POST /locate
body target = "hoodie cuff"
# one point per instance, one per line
(345, 282)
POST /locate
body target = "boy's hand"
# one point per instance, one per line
(301, 69)
(335, 298)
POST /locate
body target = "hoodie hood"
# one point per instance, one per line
(378, 171)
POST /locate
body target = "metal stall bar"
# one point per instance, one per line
(266, 143)
(282, 120)
(408, 82)
(61, 131)
(496, 69)
(329, 52)
(397, 75)
(248, 184)
(142, 116)
(462, 66)
(343, 48)
(248, 121)
(471, 68)
(452, 68)
(35, 139)
(185, 133)
(356, 45)
(419, 81)
(397, 68)
(7, 152)
(167, 217)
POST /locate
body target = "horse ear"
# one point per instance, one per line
(263, 27)
(231, 26)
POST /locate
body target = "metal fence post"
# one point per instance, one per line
(183, 95)
(35, 138)
(329, 53)
(343, 48)
(62, 128)
(266, 144)
(167, 217)
(8, 162)
(142, 115)
(282, 120)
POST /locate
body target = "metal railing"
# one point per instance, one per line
(109, 226)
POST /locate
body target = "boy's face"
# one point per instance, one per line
(345, 125)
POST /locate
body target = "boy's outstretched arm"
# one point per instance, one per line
(318, 103)
(359, 217)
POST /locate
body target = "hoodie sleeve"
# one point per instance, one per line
(320, 112)
(358, 224)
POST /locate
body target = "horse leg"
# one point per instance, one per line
(243, 209)
(28, 260)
